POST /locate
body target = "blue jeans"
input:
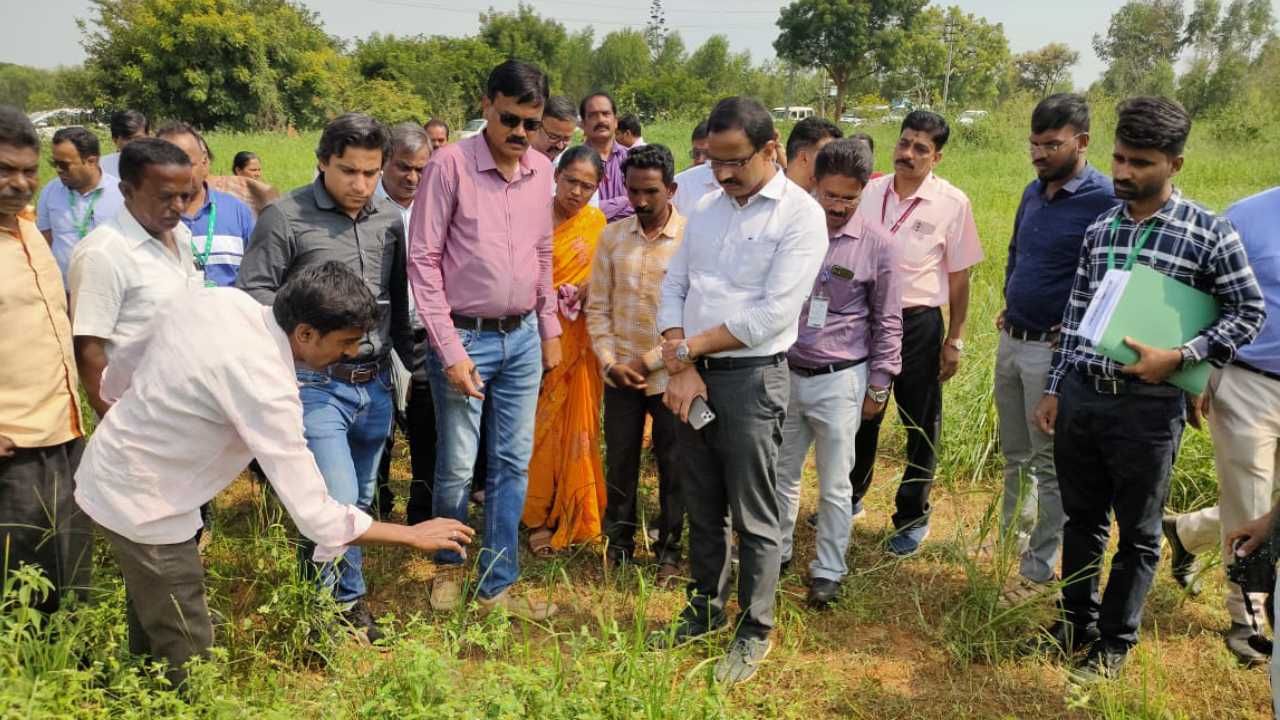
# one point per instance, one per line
(510, 364)
(346, 427)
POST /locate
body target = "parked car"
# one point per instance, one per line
(794, 113)
(473, 127)
(854, 120)
(969, 117)
(894, 117)
(48, 122)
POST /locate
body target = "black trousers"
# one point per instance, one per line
(624, 414)
(1114, 454)
(918, 395)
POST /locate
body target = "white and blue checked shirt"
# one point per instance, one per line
(1188, 243)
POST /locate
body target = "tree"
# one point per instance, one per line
(979, 58)
(1045, 71)
(576, 75)
(655, 32)
(1224, 45)
(1141, 45)
(446, 74)
(524, 35)
(622, 56)
(848, 39)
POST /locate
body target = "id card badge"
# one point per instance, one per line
(818, 312)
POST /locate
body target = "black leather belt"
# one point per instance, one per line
(916, 310)
(1018, 333)
(499, 324)
(826, 369)
(358, 373)
(737, 363)
(1257, 370)
(1118, 386)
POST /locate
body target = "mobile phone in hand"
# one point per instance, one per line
(700, 414)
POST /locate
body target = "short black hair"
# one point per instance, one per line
(520, 80)
(85, 142)
(560, 108)
(929, 122)
(328, 297)
(1060, 110)
(242, 159)
(864, 137)
(127, 123)
(184, 128)
(16, 129)
(652, 157)
(582, 153)
(1153, 123)
(809, 132)
(142, 153)
(582, 106)
(437, 122)
(849, 157)
(630, 123)
(353, 130)
(699, 131)
(745, 114)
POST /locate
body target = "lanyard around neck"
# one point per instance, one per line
(1133, 254)
(884, 209)
(202, 258)
(82, 222)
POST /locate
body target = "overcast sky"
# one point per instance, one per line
(47, 36)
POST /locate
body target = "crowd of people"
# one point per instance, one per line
(511, 301)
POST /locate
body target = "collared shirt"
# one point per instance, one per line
(191, 408)
(1257, 219)
(937, 238)
(306, 228)
(1189, 244)
(747, 267)
(232, 229)
(864, 312)
(612, 192)
(62, 211)
(691, 185)
(110, 164)
(39, 402)
(480, 246)
(626, 284)
(121, 275)
(1045, 247)
(405, 213)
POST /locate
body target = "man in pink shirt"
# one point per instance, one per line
(936, 241)
(480, 268)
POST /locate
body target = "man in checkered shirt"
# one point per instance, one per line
(1117, 427)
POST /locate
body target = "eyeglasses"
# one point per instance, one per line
(732, 164)
(513, 121)
(837, 201)
(556, 139)
(1050, 148)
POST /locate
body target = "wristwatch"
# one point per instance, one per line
(956, 344)
(1188, 357)
(683, 354)
(879, 395)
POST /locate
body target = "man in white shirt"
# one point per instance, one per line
(696, 180)
(730, 304)
(123, 271)
(190, 408)
(83, 197)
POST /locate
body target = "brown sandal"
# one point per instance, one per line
(540, 542)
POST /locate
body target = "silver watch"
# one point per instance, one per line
(682, 352)
(879, 395)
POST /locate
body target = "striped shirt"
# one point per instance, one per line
(232, 228)
(1187, 243)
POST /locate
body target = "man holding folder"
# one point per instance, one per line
(1117, 427)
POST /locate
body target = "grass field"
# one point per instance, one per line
(921, 638)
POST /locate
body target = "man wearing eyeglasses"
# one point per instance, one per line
(480, 269)
(559, 120)
(599, 117)
(1048, 230)
(698, 179)
(730, 303)
(931, 222)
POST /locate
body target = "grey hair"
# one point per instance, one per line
(408, 136)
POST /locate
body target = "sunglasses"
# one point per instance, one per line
(513, 121)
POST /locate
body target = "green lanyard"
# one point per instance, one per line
(1133, 254)
(81, 223)
(202, 258)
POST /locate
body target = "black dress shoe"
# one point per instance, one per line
(361, 620)
(1181, 562)
(1103, 662)
(1248, 647)
(1061, 639)
(823, 592)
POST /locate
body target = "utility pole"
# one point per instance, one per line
(950, 32)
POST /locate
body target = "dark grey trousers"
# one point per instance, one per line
(731, 471)
(40, 523)
(168, 615)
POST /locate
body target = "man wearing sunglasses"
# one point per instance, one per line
(599, 117)
(480, 269)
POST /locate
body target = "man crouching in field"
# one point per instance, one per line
(191, 408)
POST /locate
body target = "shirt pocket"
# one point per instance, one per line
(746, 261)
(922, 252)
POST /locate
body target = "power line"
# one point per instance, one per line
(585, 21)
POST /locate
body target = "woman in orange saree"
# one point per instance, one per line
(565, 501)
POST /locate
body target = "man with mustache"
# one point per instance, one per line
(847, 353)
(82, 198)
(439, 131)
(41, 437)
(1057, 207)
(1116, 428)
(626, 279)
(936, 239)
(348, 407)
(559, 120)
(127, 267)
(480, 264)
(599, 118)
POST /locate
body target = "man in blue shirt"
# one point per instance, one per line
(1056, 208)
(220, 224)
(1242, 402)
(82, 198)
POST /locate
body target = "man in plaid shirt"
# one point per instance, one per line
(1117, 427)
